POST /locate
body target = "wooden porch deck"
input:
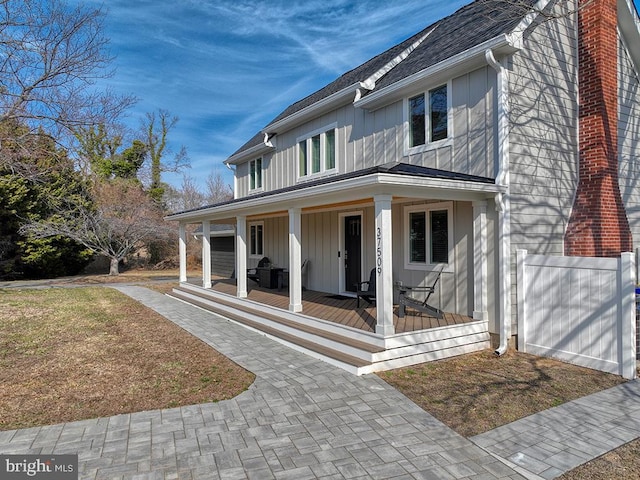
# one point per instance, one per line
(341, 309)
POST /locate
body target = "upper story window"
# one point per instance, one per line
(428, 117)
(429, 235)
(317, 152)
(255, 174)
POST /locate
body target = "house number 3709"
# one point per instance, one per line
(379, 250)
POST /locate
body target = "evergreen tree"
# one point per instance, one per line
(32, 198)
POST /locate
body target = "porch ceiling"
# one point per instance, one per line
(358, 189)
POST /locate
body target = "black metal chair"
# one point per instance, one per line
(283, 278)
(253, 273)
(406, 300)
(368, 294)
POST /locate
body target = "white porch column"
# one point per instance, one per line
(295, 260)
(206, 254)
(480, 309)
(384, 266)
(182, 248)
(241, 257)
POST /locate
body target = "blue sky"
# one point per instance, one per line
(227, 67)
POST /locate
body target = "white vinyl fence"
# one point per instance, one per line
(578, 309)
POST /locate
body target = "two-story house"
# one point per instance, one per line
(505, 125)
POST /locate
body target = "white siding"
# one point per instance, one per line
(455, 290)
(543, 138)
(629, 140)
(365, 139)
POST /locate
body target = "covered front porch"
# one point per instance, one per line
(333, 329)
(346, 229)
(339, 309)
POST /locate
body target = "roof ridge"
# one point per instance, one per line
(370, 82)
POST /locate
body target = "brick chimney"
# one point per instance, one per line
(598, 226)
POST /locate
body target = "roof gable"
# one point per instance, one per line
(471, 25)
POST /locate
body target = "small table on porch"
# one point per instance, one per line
(269, 276)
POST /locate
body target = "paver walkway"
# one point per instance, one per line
(304, 419)
(554, 441)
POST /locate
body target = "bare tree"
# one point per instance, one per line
(217, 190)
(51, 55)
(156, 129)
(122, 220)
(520, 8)
(190, 194)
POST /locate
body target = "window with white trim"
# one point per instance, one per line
(317, 152)
(255, 174)
(428, 235)
(256, 239)
(428, 117)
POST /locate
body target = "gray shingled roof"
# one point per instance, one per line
(471, 25)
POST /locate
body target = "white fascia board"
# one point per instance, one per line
(629, 26)
(442, 71)
(345, 191)
(341, 97)
(518, 32)
(249, 154)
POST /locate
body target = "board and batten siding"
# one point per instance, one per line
(629, 140)
(454, 292)
(370, 138)
(321, 243)
(543, 136)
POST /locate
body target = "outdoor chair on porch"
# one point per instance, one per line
(253, 273)
(368, 294)
(283, 278)
(406, 300)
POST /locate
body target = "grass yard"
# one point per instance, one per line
(75, 353)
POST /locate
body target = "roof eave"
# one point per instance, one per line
(339, 98)
(249, 154)
(455, 65)
(349, 189)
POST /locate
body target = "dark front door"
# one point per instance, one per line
(352, 252)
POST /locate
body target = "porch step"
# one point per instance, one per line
(314, 336)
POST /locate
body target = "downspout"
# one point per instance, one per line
(503, 204)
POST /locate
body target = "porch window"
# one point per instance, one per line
(317, 152)
(417, 237)
(428, 115)
(429, 235)
(256, 239)
(255, 174)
